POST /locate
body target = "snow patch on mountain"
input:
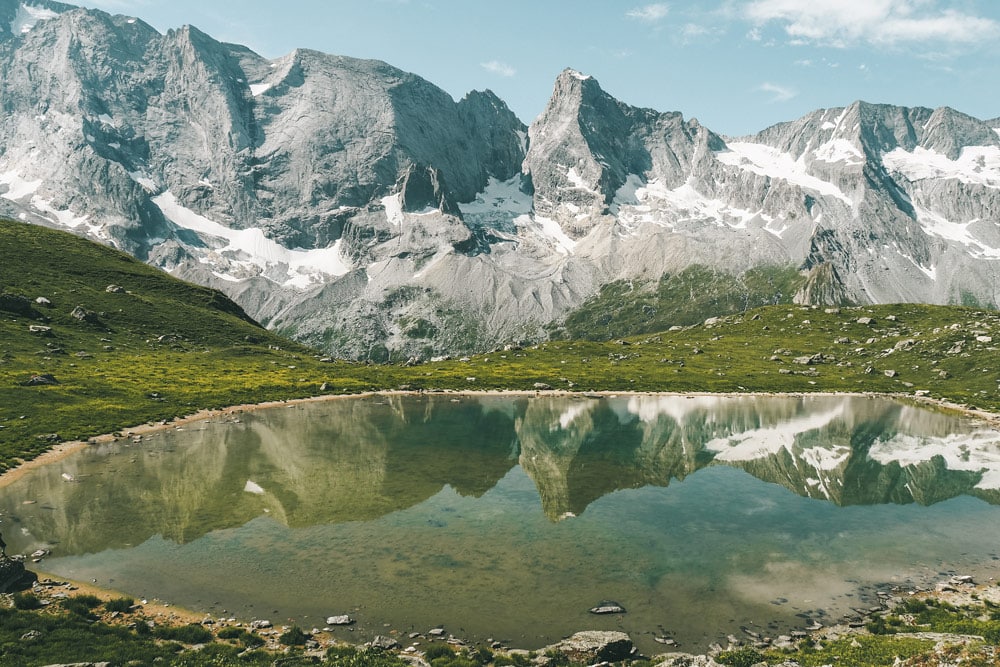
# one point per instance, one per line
(250, 248)
(548, 230)
(145, 181)
(839, 150)
(978, 165)
(17, 187)
(767, 161)
(937, 225)
(27, 17)
(393, 209)
(257, 89)
(637, 202)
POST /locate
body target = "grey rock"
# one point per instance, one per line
(384, 643)
(114, 289)
(14, 576)
(40, 330)
(607, 607)
(594, 646)
(84, 315)
(31, 635)
(340, 620)
(44, 379)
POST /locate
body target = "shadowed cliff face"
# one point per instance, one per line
(361, 459)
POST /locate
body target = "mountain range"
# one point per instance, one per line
(362, 210)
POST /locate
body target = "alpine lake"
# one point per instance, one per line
(508, 517)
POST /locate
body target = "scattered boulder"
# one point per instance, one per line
(809, 360)
(984, 339)
(261, 624)
(82, 314)
(541, 386)
(41, 380)
(114, 289)
(595, 646)
(384, 643)
(890, 373)
(608, 607)
(42, 301)
(39, 330)
(31, 635)
(866, 321)
(905, 344)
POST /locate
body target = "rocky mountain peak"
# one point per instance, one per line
(340, 198)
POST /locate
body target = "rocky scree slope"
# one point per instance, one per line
(360, 209)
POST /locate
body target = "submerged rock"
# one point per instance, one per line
(607, 607)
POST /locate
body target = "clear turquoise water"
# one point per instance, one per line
(509, 518)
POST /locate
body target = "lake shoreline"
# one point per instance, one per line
(65, 449)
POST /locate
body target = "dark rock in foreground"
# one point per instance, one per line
(13, 576)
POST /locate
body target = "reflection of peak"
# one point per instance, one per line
(579, 451)
(360, 459)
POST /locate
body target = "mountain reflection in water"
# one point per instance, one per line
(359, 459)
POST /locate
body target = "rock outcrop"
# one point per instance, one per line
(14, 576)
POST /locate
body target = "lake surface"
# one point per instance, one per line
(509, 517)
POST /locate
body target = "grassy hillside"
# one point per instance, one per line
(628, 307)
(165, 348)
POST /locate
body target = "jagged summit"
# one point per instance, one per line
(362, 209)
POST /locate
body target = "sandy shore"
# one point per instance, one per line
(64, 449)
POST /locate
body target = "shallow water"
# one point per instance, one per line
(510, 517)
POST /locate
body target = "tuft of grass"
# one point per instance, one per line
(293, 636)
(26, 601)
(185, 634)
(122, 605)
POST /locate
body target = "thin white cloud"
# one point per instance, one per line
(499, 68)
(777, 93)
(649, 13)
(845, 22)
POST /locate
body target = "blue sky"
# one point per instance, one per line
(737, 65)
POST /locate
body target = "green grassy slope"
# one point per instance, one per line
(166, 348)
(628, 308)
